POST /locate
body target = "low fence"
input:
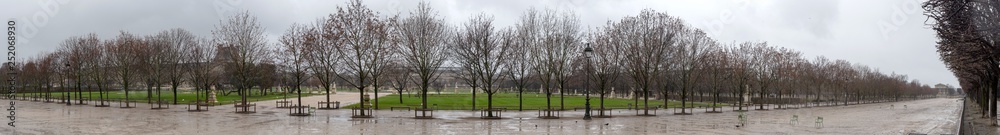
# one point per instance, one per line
(965, 126)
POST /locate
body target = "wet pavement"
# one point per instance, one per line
(927, 116)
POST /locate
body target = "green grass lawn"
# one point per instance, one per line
(183, 97)
(509, 101)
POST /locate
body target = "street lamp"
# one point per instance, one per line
(68, 102)
(587, 52)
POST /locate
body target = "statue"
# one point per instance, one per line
(211, 97)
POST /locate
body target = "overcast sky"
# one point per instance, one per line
(889, 35)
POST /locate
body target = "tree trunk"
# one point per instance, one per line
(489, 104)
(520, 99)
(423, 89)
(325, 87)
(173, 87)
(562, 96)
(473, 98)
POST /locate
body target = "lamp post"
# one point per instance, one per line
(65, 79)
(587, 52)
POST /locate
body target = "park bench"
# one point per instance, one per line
(126, 104)
(641, 111)
(766, 106)
(283, 104)
(48, 100)
(737, 105)
(82, 101)
(60, 100)
(602, 113)
(247, 107)
(329, 105)
(691, 108)
(199, 106)
(501, 108)
(299, 110)
(549, 113)
(485, 113)
(159, 104)
(362, 111)
(423, 113)
(102, 103)
(393, 108)
(712, 107)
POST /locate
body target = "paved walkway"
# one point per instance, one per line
(927, 116)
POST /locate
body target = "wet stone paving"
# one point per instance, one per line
(924, 116)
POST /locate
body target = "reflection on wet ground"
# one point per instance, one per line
(927, 116)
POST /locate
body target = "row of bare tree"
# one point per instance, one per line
(968, 41)
(650, 55)
(171, 58)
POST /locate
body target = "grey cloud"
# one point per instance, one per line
(812, 15)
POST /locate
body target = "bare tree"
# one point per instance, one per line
(243, 40)
(763, 70)
(520, 62)
(94, 66)
(179, 43)
(323, 56)
(400, 78)
(366, 48)
(563, 38)
(646, 46)
(819, 66)
(28, 77)
(123, 53)
(78, 58)
(968, 41)
(742, 71)
(47, 66)
(202, 71)
(293, 53)
(157, 59)
(559, 40)
(717, 64)
(423, 47)
(691, 48)
(606, 63)
(484, 50)
(477, 31)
